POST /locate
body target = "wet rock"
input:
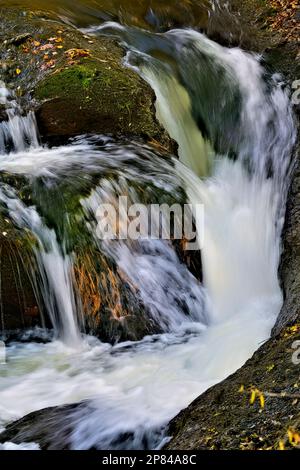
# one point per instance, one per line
(96, 96)
(51, 428)
(20, 306)
(112, 308)
(62, 427)
(18, 40)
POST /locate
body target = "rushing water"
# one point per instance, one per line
(235, 131)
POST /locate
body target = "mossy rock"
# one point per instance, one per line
(96, 97)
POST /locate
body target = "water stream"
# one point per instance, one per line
(235, 131)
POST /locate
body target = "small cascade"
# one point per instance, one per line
(55, 268)
(17, 132)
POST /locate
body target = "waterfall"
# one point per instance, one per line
(248, 117)
(235, 130)
(55, 268)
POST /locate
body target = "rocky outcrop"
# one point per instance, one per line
(59, 428)
(51, 428)
(79, 85)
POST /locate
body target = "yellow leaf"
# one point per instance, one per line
(18, 71)
(241, 389)
(294, 437)
(262, 400)
(281, 445)
(252, 397)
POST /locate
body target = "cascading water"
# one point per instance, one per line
(55, 268)
(174, 297)
(244, 199)
(212, 98)
(17, 132)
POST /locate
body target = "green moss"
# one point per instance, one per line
(74, 79)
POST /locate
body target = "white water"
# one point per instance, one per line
(17, 132)
(243, 211)
(164, 284)
(138, 387)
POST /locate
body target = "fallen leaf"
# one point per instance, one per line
(76, 53)
(18, 71)
(48, 65)
(46, 47)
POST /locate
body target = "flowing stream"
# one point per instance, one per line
(234, 127)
